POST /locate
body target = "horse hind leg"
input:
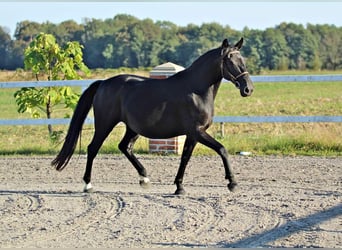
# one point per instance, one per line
(101, 133)
(126, 147)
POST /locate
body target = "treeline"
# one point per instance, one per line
(126, 41)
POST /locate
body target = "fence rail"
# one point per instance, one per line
(85, 83)
(220, 119)
(276, 119)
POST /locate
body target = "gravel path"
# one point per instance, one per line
(280, 202)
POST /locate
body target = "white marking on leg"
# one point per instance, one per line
(88, 187)
(144, 179)
(144, 182)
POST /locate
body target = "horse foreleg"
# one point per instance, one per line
(188, 148)
(126, 147)
(207, 140)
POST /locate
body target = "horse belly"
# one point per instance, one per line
(159, 122)
(161, 132)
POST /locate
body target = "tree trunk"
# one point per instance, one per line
(48, 114)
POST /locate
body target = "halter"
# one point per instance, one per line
(232, 77)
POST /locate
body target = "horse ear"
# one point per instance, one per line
(224, 47)
(238, 45)
(225, 44)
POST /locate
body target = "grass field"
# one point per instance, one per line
(311, 98)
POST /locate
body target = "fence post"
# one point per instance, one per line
(174, 144)
(222, 129)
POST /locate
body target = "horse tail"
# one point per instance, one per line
(82, 109)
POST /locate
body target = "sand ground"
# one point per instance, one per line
(280, 202)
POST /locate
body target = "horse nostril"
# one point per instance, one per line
(246, 90)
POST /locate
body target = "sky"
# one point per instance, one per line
(236, 14)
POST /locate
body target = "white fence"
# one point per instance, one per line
(221, 119)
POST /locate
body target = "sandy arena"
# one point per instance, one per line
(280, 202)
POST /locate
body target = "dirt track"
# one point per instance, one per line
(280, 202)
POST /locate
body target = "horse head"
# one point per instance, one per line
(234, 69)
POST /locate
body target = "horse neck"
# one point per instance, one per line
(205, 73)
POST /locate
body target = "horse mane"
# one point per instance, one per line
(195, 64)
(203, 58)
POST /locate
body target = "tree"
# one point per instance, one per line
(253, 49)
(331, 49)
(275, 48)
(126, 41)
(26, 30)
(168, 42)
(302, 46)
(68, 31)
(5, 41)
(47, 59)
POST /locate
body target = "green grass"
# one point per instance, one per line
(304, 98)
(310, 98)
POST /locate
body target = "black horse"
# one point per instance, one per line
(182, 104)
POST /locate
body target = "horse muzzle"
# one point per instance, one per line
(245, 84)
(246, 91)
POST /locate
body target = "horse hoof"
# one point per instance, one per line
(180, 192)
(232, 186)
(145, 182)
(89, 190)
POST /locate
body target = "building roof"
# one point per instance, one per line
(168, 68)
